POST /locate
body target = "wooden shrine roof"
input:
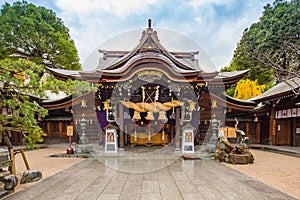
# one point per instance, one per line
(283, 89)
(112, 58)
(226, 78)
(149, 54)
(227, 101)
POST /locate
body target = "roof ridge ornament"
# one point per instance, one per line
(149, 37)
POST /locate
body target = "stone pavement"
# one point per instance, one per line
(148, 178)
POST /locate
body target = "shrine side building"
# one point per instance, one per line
(278, 114)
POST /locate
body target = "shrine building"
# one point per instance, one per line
(149, 94)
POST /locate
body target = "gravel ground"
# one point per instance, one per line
(279, 171)
(276, 170)
(41, 160)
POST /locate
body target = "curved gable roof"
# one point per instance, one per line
(149, 42)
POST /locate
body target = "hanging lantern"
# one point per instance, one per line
(255, 119)
(136, 115)
(149, 116)
(83, 103)
(192, 106)
(214, 104)
(106, 105)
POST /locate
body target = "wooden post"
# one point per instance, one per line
(12, 157)
(24, 158)
(258, 132)
(172, 128)
(6, 140)
(178, 129)
(121, 125)
(293, 132)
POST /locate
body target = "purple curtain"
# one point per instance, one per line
(101, 116)
(195, 119)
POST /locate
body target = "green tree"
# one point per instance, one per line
(270, 48)
(21, 88)
(37, 34)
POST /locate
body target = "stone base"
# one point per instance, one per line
(190, 157)
(241, 158)
(86, 148)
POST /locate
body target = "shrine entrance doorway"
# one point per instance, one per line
(150, 116)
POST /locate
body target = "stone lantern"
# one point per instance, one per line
(84, 147)
(214, 136)
(83, 137)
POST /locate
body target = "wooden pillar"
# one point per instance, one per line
(293, 132)
(126, 142)
(121, 125)
(258, 132)
(48, 128)
(60, 130)
(178, 129)
(172, 128)
(247, 129)
(272, 126)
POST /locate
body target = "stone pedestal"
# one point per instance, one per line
(83, 148)
(241, 158)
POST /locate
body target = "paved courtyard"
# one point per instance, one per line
(149, 178)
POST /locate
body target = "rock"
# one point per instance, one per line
(10, 181)
(241, 158)
(223, 147)
(221, 156)
(226, 152)
(241, 149)
(31, 176)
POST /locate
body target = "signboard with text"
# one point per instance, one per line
(111, 142)
(188, 141)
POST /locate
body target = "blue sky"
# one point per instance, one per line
(215, 25)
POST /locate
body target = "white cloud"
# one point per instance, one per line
(202, 3)
(92, 22)
(118, 7)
